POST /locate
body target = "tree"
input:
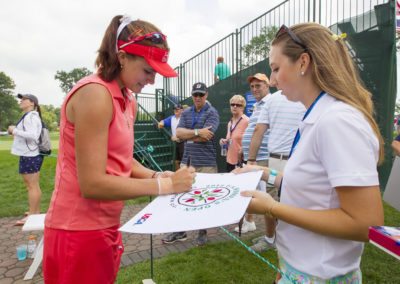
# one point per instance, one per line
(50, 116)
(69, 79)
(9, 110)
(259, 46)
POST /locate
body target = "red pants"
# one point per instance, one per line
(81, 256)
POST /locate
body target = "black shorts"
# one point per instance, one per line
(30, 165)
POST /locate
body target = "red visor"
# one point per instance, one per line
(156, 57)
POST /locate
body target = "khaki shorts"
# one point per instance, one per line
(263, 186)
(206, 170)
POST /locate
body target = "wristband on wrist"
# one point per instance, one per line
(272, 176)
(159, 186)
(251, 160)
(165, 186)
(196, 132)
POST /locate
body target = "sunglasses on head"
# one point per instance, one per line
(154, 37)
(198, 95)
(236, 105)
(284, 29)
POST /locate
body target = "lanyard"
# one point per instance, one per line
(234, 127)
(297, 137)
(196, 118)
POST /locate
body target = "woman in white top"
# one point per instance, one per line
(26, 139)
(330, 192)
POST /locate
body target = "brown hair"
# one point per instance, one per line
(220, 59)
(332, 69)
(107, 60)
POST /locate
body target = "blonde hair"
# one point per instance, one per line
(332, 69)
(107, 60)
(239, 98)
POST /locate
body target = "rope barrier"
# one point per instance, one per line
(263, 259)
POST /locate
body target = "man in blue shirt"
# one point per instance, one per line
(197, 127)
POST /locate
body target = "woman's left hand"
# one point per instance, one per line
(261, 202)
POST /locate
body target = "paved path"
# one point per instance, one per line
(137, 246)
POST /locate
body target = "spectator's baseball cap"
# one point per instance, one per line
(178, 106)
(30, 97)
(199, 88)
(258, 76)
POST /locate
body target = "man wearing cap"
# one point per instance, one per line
(259, 86)
(197, 127)
(172, 122)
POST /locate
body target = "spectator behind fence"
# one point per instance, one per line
(235, 129)
(221, 70)
(259, 86)
(330, 192)
(95, 169)
(25, 145)
(172, 122)
(197, 127)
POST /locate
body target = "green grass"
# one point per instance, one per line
(225, 262)
(229, 262)
(13, 195)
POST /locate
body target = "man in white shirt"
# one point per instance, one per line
(281, 118)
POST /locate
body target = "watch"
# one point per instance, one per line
(272, 176)
(196, 132)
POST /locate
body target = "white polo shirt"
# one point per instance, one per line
(337, 147)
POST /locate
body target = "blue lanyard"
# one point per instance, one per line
(297, 137)
(196, 117)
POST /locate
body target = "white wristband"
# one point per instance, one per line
(196, 132)
(272, 176)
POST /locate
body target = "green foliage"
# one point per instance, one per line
(9, 110)
(50, 116)
(259, 46)
(69, 79)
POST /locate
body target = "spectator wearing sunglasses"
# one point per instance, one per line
(221, 70)
(330, 192)
(259, 86)
(95, 169)
(235, 129)
(197, 127)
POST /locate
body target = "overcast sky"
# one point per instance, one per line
(37, 38)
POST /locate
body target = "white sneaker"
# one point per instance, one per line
(246, 227)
